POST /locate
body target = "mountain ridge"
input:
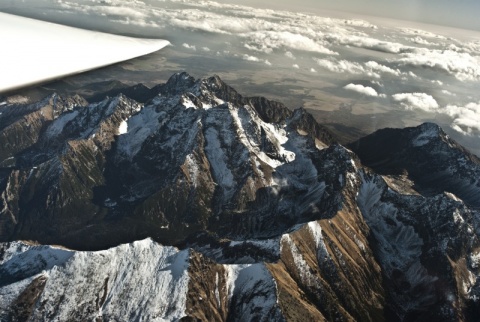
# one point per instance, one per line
(241, 208)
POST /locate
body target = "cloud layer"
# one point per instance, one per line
(417, 70)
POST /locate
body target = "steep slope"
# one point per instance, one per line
(427, 248)
(434, 161)
(142, 281)
(196, 157)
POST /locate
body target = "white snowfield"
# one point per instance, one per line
(140, 281)
(34, 51)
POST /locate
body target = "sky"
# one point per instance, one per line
(459, 13)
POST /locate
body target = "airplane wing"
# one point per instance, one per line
(34, 51)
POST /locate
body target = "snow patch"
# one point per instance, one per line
(140, 127)
(143, 281)
(193, 169)
(59, 124)
(425, 137)
(252, 290)
(303, 269)
(123, 128)
(244, 117)
(218, 160)
(188, 103)
(322, 252)
(475, 259)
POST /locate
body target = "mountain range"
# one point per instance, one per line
(188, 201)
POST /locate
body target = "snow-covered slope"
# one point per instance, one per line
(142, 281)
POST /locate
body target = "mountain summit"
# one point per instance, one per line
(198, 203)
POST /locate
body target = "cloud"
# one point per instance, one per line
(341, 66)
(365, 90)
(120, 11)
(360, 23)
(290, 55)
(295, 66)
(421, 41)
(444, 91)
(191, 47)
(369, 69)
(250, 58)
(206, 49)
(267, 41)
(463, 66)
(367, 43)
(421, 33)
(412, 101)
(194, 19)
(374, 66)
(413, 75)
(267, 62)
(466, 119)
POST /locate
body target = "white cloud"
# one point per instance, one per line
(367, 43)
(413, 75)
(374, 66)
(444, 91)
(267, 62)
(365, 90)
(250, 58)
(341, 66)
(411, 101)
(466, 119)
(421, 41)
(191, 47)
(206, 49)
(312, 70)
(120, 11)
(463, 66)
(290, 55)
(214, 22)
(421, 33)
(262, 49)
(370, 69)
(295, 66)
(360, 23)
(267, 41)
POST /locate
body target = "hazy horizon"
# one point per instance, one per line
(459, 14)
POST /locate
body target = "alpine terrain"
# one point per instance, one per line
(188, 201)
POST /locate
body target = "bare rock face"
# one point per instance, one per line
(429, 157)
(197, 203)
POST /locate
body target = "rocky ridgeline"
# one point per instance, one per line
(198, 203)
